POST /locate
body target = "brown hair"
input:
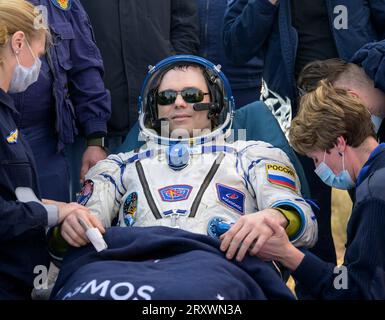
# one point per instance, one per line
(17, 15)
(337, 71)
(327, 113)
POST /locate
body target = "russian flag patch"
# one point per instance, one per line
(281, 175)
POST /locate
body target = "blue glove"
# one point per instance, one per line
(217, 226)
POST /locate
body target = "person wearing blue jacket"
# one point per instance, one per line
(372, 59)
(334, 128)
(245, 78)
(68, 99)
(131, 35)
(352, 77)
(292, 33)
(23, 217)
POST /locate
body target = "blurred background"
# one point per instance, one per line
(341, 209)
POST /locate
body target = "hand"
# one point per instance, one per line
(250, 232)
(71, 229)
(73, 232)
(91, 156)
(276, 247)
(274, 2)
(64, 209)
(279, 248)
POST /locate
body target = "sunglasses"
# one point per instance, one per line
(190, 95)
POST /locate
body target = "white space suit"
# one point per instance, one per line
(221, 180)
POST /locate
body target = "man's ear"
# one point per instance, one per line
(341, 144)
(17, 41)
(353, 93)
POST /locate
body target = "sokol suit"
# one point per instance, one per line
(221, 180)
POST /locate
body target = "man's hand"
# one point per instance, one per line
(64, 209)
(91, 156)
(250, 232)
(276, 247)
(73, 232)
(71, 229)
(279, 248)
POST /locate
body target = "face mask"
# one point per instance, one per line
(376, 121)
(341, 181)
(23, 77)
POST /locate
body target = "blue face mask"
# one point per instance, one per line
(341, 181)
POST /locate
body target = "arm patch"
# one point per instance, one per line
(281, 175)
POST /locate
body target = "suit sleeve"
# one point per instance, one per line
(276, 185)
(184, 27)
(105, 189)
(17, 217)
(377, 12)
(86, 87)
(247, 26)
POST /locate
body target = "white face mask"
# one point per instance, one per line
(22, 76)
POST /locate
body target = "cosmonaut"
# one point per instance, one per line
(188, 176)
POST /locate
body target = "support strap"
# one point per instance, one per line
(146, 189)
(205, 184)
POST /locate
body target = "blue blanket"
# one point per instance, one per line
(161, 263)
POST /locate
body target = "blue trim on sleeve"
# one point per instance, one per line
(122, 166)
(301, 214)
(111, 179)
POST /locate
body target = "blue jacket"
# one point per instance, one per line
(365, 255)
(22, 234)
(372, 58)
(81, 100)
(263, 26)
(241, 76)
(133, 34)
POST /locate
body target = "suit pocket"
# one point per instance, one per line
(63, 34)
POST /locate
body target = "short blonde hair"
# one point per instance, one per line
(17, 15)
(326, 114)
